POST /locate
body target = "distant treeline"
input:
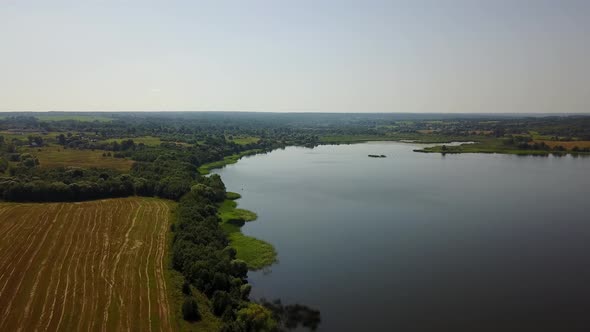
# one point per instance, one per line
(298, 128)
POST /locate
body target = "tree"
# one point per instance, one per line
(127, 144)
(190, 310)
(61, 139)
(220, 281)
(186, 288)
(245, 290)
(3, 165)
(230, 252)
(38, 140)
(239, 268)
(221, 300)
(293, 315)
(255, 317)
(28, 161)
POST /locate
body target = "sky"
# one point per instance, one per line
(448, 56)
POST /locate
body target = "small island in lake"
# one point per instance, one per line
(377, 156)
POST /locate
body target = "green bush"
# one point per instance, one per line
(190, 310)
(221, 301)
(186, 288)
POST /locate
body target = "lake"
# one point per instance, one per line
(422, 242)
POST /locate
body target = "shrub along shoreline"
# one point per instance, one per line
(232, 159)
(201, 252)
(256, 253)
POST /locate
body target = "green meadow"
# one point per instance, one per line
(415, 137)
(146, 140)
(489, 145)
(206, 168)
(256, 253)
(244, 140)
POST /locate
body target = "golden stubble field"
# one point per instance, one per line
(89, 266)
(567, 144)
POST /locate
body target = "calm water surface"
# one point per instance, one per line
(422, 242)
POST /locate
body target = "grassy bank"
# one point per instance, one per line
(415, 137)
(206, 168)
(228, 212)
(482, 144)
(256, 253)
(492, 145)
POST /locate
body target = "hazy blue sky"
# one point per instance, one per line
(329, 56)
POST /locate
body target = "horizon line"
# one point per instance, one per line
(287, 112)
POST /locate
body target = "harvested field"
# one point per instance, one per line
(567, 144)
(57, 156)
(90, 266)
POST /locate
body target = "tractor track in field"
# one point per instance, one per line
(15, 263)
(90, 266)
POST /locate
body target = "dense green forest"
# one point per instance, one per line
(169, 155)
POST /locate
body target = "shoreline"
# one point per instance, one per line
(206, 169)
(257, 253)
(467, 144)
(479, 147)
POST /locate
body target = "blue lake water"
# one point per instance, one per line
(422, 242)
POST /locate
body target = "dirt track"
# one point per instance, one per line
(91, 266)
